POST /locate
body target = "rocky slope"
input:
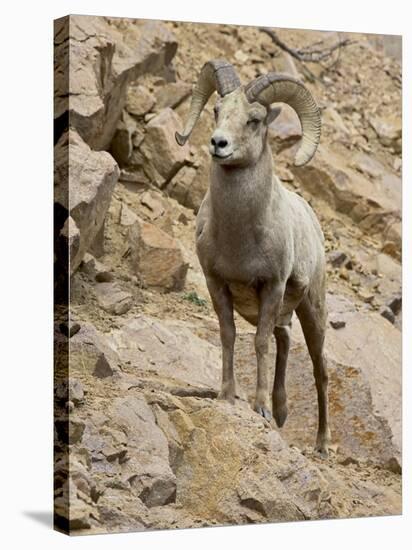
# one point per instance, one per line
(149, 444)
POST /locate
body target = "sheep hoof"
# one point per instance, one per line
(324, 449)
(263, 411)
(280, 413)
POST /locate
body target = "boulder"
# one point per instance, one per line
(124, 445)
(163, 155)
(139, 100)
(91, 353)
(156, 257)
(112, 299)
(172, 94)
(147, 468)
(69, 327)
(70, 390)
(124, 138)
(364, 365)
(153, 204)
(368, 165)
(190, 185)
(92, 177)
(74, 507)
(248, 474)
(106, 54)
(374, 206)
(95, 269)
(170, 349)
(388, 131)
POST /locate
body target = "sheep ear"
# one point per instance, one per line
(273, 114)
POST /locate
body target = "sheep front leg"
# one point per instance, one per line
(223, 305)
(270, 300)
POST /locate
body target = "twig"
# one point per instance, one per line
(309, 53)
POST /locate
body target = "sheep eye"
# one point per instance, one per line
(254, 121)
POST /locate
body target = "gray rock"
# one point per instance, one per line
(95, 269)
(93, 176)
(337, 258)
(139, 100)
(103, 368)
(69, 328)
(127, 216)
(121, 146)
(395, 304)
(388, 314)
(388, 130)
(112, 299)
(364, 365)
(147, 468)
(189, 185)
(172, 94)
(86, 349)
(156, 257)
(106, 55)
(349, 192)
(163, 155)
(71, 389)
(337, 323)
(168, 348)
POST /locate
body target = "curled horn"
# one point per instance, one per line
(280, 88)
(217, 75)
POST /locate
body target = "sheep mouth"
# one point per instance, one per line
(221, 157)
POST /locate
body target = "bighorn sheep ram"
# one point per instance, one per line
(260, 246)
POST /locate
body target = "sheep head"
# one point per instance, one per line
(243, 114)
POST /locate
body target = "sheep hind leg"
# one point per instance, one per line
(270, 299)
(279, 398)
(313, 321)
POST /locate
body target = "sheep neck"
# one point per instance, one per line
(241, 197)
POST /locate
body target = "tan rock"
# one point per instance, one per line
(87, 347)
(156, 257)
(91, 178)
(330, 117)
(112, 299)
(153, 205)
(172, 94)
(139, 100)
(365, 373)
(373, 205)
(127, 216)
(367, 165)
(169, 348)
(190, 185)
(163, 155)
(388, 130)
(147, 468)
(105, 54)
(122, 144)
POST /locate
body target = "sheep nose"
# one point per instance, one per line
(219, 142)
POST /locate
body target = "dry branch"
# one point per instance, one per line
(314, 53)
